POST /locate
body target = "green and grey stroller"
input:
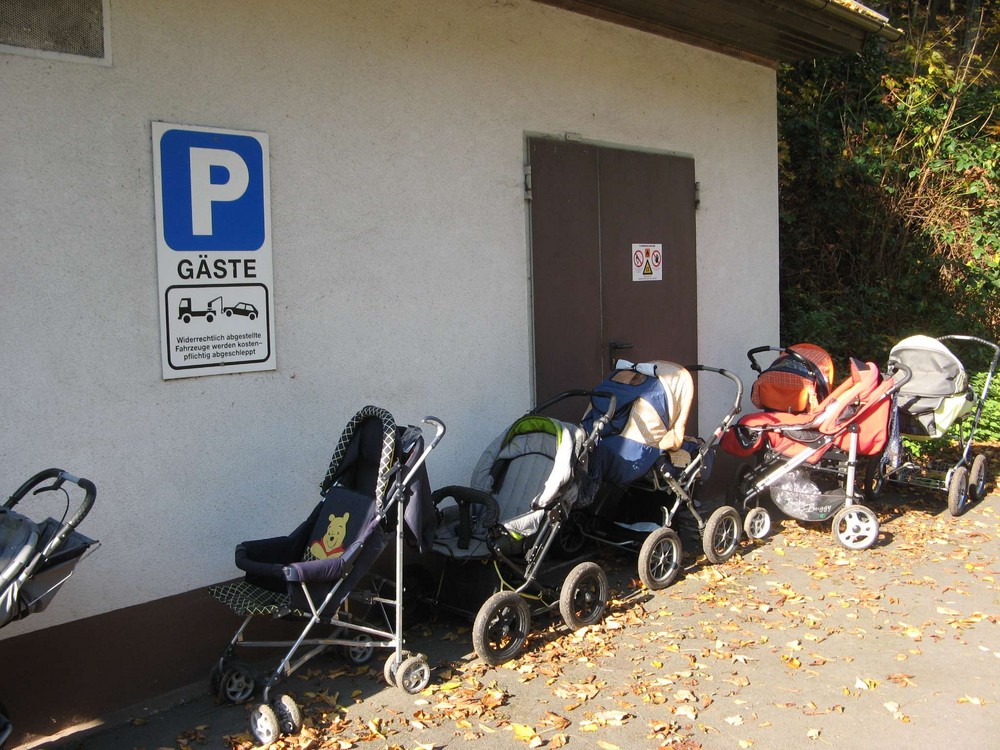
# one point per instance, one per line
(372, 494)
(37, 558)
(494, 544)
(937, 402)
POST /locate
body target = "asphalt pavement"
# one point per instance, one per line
(793, 643)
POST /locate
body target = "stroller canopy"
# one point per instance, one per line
(790, 386)
(937, 394)
(653, 402)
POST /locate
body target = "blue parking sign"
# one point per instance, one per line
(213, 190)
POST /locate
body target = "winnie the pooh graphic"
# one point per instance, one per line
(331, 544)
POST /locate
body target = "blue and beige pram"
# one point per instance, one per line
(37, 558)
(372, 494)
(644, 447)
(495, 537)
(937, 402)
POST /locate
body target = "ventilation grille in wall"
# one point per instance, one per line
(75, 28)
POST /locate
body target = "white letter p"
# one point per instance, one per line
(204, 193)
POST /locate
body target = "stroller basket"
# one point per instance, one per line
(798, 494)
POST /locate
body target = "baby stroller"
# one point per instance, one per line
(308, 576)
(494, 537)
(36, 559)
(937, 398)
(809, 461)
(644, 449)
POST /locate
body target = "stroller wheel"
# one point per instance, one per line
(660, 558)
(737, 492)
(978, 475)
(875, 476)
(237, 683)
(757, 523)
(721, 536)
(583, 596)
(958, 491)
(570, 539)
(361, 652)
(413, 674)
(391, 665)
(289, 714)
(214, 679)
(855, 527)
(501, 627)
(264, 724)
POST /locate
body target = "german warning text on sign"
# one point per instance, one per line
(647, 262)
(213, 247)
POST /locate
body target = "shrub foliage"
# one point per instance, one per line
(889, 161)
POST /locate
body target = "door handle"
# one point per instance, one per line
(613, 348)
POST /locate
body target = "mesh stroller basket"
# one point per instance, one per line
(937, 394)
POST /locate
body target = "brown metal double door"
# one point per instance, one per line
(593, 209)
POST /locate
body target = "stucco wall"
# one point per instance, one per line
(397, 134)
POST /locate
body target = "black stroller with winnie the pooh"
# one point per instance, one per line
(372, 494)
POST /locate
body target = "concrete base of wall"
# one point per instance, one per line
(84, 671)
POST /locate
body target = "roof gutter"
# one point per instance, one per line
(863, 18)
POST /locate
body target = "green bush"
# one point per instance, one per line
(889, 169)
(989, 422)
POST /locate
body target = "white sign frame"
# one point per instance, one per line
(215, 269)
(647, 262)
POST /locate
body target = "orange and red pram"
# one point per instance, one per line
(809, 460)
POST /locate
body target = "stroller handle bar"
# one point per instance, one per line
(973, 339)
(60, 477)
(721, 371)
(439, 429)
(899, 382)
(737, 406)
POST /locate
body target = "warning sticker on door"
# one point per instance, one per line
(647, 262)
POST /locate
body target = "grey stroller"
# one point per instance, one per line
(937, 402)
(37, 558)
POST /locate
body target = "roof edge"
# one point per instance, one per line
(857, 15)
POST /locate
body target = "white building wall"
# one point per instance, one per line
(397, 132)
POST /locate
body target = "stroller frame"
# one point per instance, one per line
(963, 480)
(660, 549)
(235, 680)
